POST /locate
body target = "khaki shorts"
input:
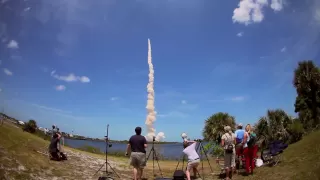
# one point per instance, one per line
(193, 164)
(138, 160)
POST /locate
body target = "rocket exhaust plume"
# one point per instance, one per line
(151, 113)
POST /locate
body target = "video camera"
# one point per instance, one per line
(107, 140)
(198, 140)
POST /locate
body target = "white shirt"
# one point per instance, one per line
(191, 152)
(248, 138)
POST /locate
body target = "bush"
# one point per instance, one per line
(217, 151)
(296, 131)
(30, 126)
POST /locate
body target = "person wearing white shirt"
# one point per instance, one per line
(193, 157)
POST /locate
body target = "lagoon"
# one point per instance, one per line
(166, 151)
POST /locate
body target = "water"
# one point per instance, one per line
(166, 151)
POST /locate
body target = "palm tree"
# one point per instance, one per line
(214, 126)
(307, 84)
(274, 126)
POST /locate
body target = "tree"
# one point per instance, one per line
(296, 131)
(274, 126)
(30, 126)
(214, 126)
(307, 84)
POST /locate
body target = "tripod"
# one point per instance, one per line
(154, 156)
(202, 151)
(108, 174)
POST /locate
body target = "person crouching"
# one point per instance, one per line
(193, 157)
(53, 147)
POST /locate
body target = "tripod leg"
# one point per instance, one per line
(99, 169)
(205, 153)
(113, 170)
(155, 154)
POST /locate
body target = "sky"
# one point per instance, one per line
(83, 64)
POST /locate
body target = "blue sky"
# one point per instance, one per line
(83, 64)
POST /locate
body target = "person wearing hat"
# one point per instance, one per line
(228, 141)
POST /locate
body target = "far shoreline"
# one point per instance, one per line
(116, 141)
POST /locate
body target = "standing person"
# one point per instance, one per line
(246, 150)
(53, 147)
(239, 134)
(137, 146)
(228, 141)
(253, 148)
(193, 157)
(1, 120)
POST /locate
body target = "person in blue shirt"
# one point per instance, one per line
(239, 134)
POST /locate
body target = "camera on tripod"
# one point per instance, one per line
(107, 140)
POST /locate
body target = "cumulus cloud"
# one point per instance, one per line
(240, 34)
(251, 11)
(60, 88)
(13, 44)
(7, 72)
(284, 49)
(71, 77)
(276, 5)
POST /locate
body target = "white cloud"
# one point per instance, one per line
(49, 108)
(184, 102)
(233, 99)
(60, 88)
(238, 98)
(114, 98)
(251, 11)
(7, 72)
(173, 114)
(240, 34)
(276, 5)
(284, 49)
(13, 44)
(71, 78)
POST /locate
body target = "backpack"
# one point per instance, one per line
(253, 139)
(229, 148)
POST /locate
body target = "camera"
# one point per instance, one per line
(153, 138)
(198, 140)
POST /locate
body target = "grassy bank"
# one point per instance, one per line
(20, 159)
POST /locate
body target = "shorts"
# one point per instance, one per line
(138, 160)
(229, 160)
(193, 164)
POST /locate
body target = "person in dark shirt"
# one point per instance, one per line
(137, 145)
(53, 147)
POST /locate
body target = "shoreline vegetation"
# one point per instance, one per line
(79, 137)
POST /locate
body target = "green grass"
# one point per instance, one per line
(300, 160)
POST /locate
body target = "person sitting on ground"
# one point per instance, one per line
(53, 147)
(193, 157)
(137, 145)
(228, 141)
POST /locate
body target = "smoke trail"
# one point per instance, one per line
(151, 116)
